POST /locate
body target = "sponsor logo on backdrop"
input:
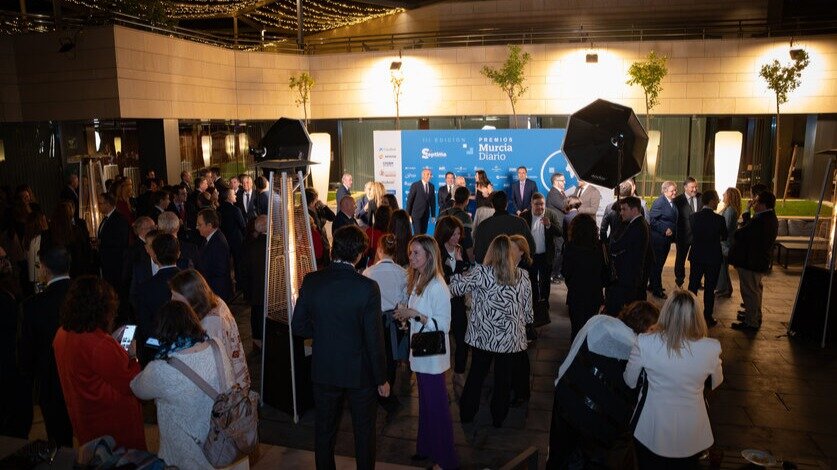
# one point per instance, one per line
(427, 154)
(409, 168)
(409, 176)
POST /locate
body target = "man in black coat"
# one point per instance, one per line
(345, 187)
(421, 202)
(217, 181)
(232, 222)
(446, 192)
(346, 215)
(36, 357)
(252, 268)
(70, 192)
(214, 255)
(262, 196)
(348, 352)
(500, 223)
(545, 226)
(137, 266)
(750, 253)
(705, 257)
(165, 251)
(663, 219)
(687, 203)
(112, 240)
(630, 258)
(246, 198)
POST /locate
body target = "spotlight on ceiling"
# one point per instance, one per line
(67, 44)
(592, 58)
(796, 53)
(395, 65)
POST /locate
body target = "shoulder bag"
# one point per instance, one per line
(428, 343)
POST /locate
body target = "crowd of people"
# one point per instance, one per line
(170, 259)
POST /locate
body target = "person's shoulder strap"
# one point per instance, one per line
(194, 377)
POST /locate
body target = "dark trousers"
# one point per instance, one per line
(617, 296)
(57, 421)
(661, 249)
(256, 321)
(580, 312)
(709, 272)
(680, 262)
(540, 273)
(648, 460)
(328, 401)
(458, 325)
(559, 256)
(420, 225)
(520, 376)
(481, 361)
(390, 403)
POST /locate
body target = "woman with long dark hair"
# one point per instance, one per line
(449, 231)
(379, 228)
(399, 225)
(584, 270)
(65, 232)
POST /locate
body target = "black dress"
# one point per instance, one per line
(458, 317)
(584, 271)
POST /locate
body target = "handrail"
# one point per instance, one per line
(527, 459)
(756, 28)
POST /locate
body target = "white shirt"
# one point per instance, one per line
(538, 233)
(247, 197)
(434, 303)
(391, 279)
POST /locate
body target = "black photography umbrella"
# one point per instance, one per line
(596, 136)
(287, 139)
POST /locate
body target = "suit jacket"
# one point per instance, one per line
(348, 348)
(342, 191)
(252, 268)
(590, 199)
(421, 205)
(154, 212)
(557, 201)
(37, 330)
(220, 184)
(155, 293)
(233, 226)
(445, 197)
(214, 265)
(498, 224)
(140, 269)
(753, 244)
(518, 204)
(630, 254)
(248, 212)
(684, 212)
(113, 241)
(708, 230)
(188, 255)
(263, 202)
(70, 194)
(554, 230)
(341, 220)
(662, 216)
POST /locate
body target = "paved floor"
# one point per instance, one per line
(778, 395)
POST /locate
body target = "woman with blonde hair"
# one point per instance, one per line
(428, 309)
(501, 306)
(124, 192)
(677, 356)
(191, 288)
(731, 212)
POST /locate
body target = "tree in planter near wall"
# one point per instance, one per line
(302, 85)
(510, 77)
(649, 75)
(783, 80)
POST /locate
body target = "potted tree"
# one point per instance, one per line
(510, 76)
(302, 85)
(783, 80)
(649, 75)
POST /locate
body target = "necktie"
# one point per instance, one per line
(425, 188)
(694, 204)
(521, 190)
(578, 194)
(246, 202)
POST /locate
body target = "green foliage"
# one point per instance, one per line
(302, 85)
(784, 79)
(649, 75)
(510, 76)
(153, 11)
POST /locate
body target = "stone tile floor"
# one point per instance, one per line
(777, 395)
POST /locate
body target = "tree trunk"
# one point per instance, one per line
(776, 162)
(647, 130)
(305, 112)
(514, 115)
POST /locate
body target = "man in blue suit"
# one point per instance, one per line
(705, 257)
(421, 202)
(214, 255)
(522, 191)
(663, 220)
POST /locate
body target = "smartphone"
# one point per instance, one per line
(153, 343)
(127, 336)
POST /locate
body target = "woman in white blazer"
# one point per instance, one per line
(673, 426)
(428, 307)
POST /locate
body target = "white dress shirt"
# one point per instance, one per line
(538, 233)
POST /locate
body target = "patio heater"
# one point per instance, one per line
(289, 256)
(91, 185)
(815, 307)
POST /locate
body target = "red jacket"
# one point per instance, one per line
(95, 375)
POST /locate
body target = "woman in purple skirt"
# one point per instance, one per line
(429, 307)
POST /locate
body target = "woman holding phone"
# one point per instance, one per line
(428, 309)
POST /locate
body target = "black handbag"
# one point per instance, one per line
(428, 343)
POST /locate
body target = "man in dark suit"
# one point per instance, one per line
(35, 354)
(214, 256)
(70, 192)
(112, 240)
(500, 223)
(663, 220)
(144, 203)
(245, 199)
(545, 226)
(217, 180)
(446, 192)
(755, 190)
(521, 192)
(687, 204)
(630, 258)
(160, 202)
(232, 222)
(345, 188)
(178, 202)
(705, 257)
(557, 201)
(421, 202)
(138, 266)
(186, 181)
(252, 269)
(165, 251)
(348, 352)
(750, 253)
(345, 216)
(262, 195)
